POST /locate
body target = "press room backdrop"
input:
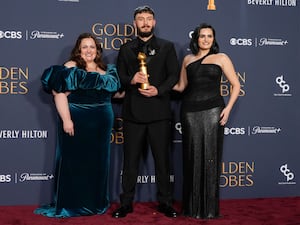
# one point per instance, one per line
(261, 150)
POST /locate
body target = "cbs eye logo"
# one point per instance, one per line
(234, 131)
(5, 178)
(241, 41)
(10, 34)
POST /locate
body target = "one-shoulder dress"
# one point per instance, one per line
(82, 160)
(202, 140)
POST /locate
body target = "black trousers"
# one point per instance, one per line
(136, 137)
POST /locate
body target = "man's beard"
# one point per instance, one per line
(144, 34)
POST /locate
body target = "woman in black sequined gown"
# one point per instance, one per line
(203, 117)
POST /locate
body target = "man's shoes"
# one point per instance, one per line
(167, 210)
(122, 211)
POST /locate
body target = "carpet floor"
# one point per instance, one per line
(262, 211)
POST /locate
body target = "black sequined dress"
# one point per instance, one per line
(202, 140)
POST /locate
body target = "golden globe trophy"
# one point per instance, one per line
(143, 68)
(211, 5)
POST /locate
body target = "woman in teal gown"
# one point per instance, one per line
(82, 90)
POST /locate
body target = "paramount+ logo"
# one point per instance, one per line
(10, 34)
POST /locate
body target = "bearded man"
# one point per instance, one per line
(146, 109)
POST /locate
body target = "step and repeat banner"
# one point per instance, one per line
(261, 149)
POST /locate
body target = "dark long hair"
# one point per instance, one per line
(195, 36)
(75, 53)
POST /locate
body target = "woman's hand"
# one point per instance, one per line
(224, 116)
(68, 127)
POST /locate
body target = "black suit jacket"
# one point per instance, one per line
(163, 70)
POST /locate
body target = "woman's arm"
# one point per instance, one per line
(119, 94)
(229, 72)
(62, 107)
(182, 82)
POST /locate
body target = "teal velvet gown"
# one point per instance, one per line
(82, 160)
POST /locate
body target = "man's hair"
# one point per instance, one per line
(144, 8)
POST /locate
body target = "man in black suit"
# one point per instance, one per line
(146, 110)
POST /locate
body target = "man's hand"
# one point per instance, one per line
(150, 92)
(139, 77)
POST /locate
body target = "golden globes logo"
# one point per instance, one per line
(112, 36)
(237, 174)
(226, 88)
(116, 135)
(13, 80)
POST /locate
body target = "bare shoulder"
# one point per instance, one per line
(223, 56)
(70, 64)
(222, 59)
(188, 59)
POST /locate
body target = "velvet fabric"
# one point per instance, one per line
(82, 160)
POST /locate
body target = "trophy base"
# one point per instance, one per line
(211, 7)
(144, 86)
